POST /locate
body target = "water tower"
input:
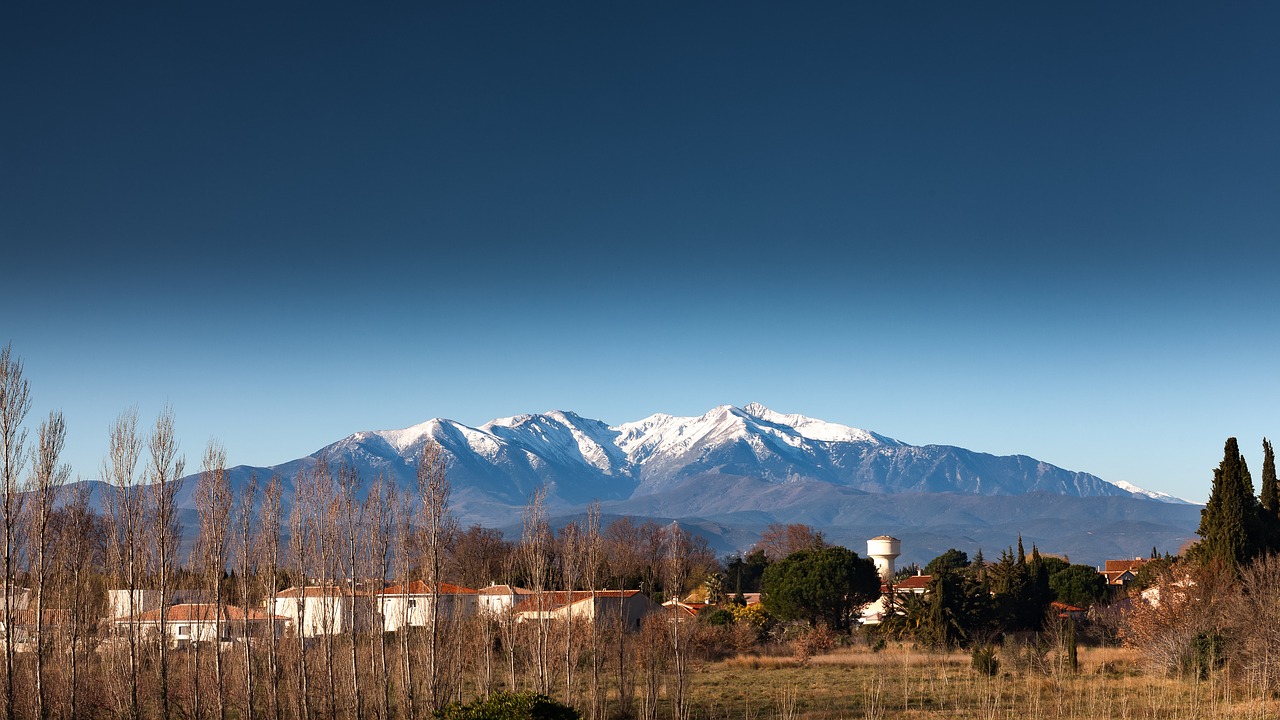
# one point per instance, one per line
(883, 550)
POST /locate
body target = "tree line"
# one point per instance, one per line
(65, 547)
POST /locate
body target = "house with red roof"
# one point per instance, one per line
(600, 606)
(415, 603)
(202, 622)
(316, 610)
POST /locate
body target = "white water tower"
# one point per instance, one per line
(883, 550)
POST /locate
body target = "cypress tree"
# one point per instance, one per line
(1229, 525)
(1269, 515)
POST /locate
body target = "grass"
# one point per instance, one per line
(899, 683)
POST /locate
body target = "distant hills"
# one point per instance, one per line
(731, 471)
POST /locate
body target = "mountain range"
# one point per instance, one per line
(733, 470)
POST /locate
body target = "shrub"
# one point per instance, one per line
(718, 616)
(510, 706)
(984, 660)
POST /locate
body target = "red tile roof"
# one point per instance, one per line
(320, 591)
(915, 582)
(504, 590)
(418, 587)
(203, 612)
(1121, 565)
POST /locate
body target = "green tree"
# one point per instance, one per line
(1078, 585)
(1229, 527)
(743, 572)
(827, 585)
(952, 559)
(1269, 518)
(1270, 492)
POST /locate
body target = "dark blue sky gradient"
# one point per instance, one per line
(1046, 229)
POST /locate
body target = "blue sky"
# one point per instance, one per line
(1037, 229)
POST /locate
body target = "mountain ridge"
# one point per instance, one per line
(734, 470)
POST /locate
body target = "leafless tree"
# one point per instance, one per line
(164, 477)
(591, 572)
(571, 542)
(213, 506)
(128, 523)
(353, 526)
(322, 518)
(679, 547)
(49, 475)
(300, 543)
(404, 549)
(245, 526)
(437, 525)
(80, 556)
(15, 403)
(535, 550)
(778, 540)
(269, 547)
(383, 508)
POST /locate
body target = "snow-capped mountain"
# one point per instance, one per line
(579, 459)
(740, 468)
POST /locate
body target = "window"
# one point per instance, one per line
(183, 630)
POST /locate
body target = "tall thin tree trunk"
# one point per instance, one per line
(434, 490)
(50, 475)
(164, 478)
(15, 402)
(127, 515)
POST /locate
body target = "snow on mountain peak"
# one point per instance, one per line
(405, 438)
(813, 429)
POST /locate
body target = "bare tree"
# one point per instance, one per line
(404, 543)
(164, 477)
(245, 526)
(269, 547)
(322, 516)
(571, 542)
(15, 403)
(80, 556)
(437, 525)
(353, 526)
(49, 475)
(300, 542)
(128, 521)
(383, 506)
(213, 506)
(593, 547)
(535, 549)
(679, 547)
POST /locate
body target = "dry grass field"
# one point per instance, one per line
(899, 683)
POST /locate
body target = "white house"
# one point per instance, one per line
(123, 605)
(411, 604)
(873, 613)
(497, 599)
(200, 622)
(315, 610)
(600, 606)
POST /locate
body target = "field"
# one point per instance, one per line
(900, 682)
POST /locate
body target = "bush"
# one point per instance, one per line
(510, 706)
(984, 660)
(717, 616)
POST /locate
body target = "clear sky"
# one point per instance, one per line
(1038, 228)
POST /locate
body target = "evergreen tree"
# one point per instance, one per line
(1230, 530)
(1270, 491)
(1269, 517)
